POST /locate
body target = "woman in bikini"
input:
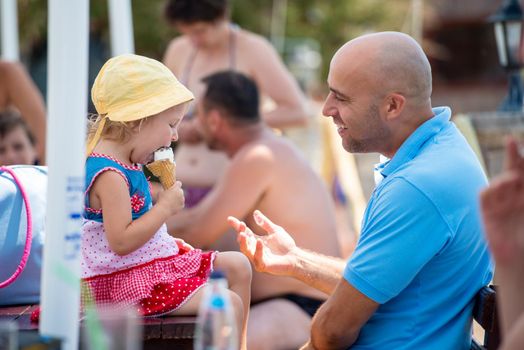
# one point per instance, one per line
(211, 43)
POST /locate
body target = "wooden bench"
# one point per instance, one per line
(485, 314)
(178, 332)
(158, 333)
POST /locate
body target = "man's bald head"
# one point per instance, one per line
(387, 62)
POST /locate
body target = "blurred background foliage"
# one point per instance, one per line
(325, 23)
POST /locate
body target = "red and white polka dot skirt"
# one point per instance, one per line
(157, 287)
(167, 297)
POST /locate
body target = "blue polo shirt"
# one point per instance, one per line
(421, 254)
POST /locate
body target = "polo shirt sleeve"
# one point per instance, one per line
(403, 231)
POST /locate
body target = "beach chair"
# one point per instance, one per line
(485, 314)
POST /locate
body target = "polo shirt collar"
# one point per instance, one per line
(411, 146)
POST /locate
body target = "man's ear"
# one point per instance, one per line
(215, 120)
(394, 105)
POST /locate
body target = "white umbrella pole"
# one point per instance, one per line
(67, 110)
(9, 19)
(121, 27)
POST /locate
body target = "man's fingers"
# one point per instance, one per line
(239, 226)
(244, 246)
(251, 242)
(259, 255)
(264, 222)
(234, 222)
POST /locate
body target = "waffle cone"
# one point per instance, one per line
(165, 171)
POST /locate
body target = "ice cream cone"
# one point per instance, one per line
(165, 170)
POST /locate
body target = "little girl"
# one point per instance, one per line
(127, 255)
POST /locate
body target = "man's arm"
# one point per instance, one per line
(236, 193)
(318, 271)
(337, 323)
(276, 253)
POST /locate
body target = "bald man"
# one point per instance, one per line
(421, 256)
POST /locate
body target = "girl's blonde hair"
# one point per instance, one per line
(117, 131)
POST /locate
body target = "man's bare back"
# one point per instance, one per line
(296, 198)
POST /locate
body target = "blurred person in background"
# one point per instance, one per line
(18, 91)
(211, 43)
(17, 143)
(503, 214)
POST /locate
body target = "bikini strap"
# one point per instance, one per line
(188, 66)
(232, 55)
(232, 46)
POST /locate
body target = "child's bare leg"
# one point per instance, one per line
(192, 305)
(238, 272)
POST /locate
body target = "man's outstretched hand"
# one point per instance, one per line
(272, 252)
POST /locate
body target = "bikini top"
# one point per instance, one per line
(232, 56)
(189, 64)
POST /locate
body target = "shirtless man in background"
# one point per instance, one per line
(211, 43)
(267, 172)
(18, 91)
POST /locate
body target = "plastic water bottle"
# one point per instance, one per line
(216, 325)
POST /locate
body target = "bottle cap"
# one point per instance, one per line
(217, 274)
(217, 302)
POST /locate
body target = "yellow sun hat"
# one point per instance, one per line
(132, 87)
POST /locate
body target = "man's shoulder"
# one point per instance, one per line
(269, 148)
(447, 183)
(447, 162)
(255, 151)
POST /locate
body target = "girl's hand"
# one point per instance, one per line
(172, 198)
(182, 245)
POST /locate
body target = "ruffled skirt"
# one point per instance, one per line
(157, 287)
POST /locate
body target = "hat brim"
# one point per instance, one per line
(171, 97)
